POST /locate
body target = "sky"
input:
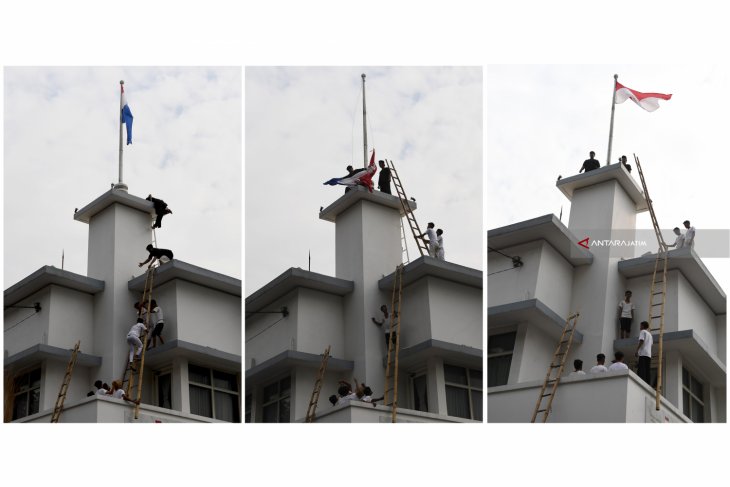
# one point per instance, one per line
(542, 120)
(61, 152)
(304, 126)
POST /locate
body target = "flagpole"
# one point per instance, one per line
(364, 127)
(613, 109)
(120, 185)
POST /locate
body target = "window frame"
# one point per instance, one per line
(213, 389)
(692, 396)
(469, 388)
(279, 397)
(27, 392)
(509, 353)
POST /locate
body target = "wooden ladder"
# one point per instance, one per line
(137, 373)
(58, 408)
(556, 364)
(312, 408)
(415, 229)
(658, 286)
(391, 369)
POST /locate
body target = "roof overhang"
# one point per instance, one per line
(601, 175)
(288, 359)
(294, 278)
(428, 266)
(359, 193)
(531, 311)
(690, 265)
(546, 227)
(692, 348)
(47, 275)
(458, 354)
(40, 352)
(177, 269)
(107, 199)
(165, 353)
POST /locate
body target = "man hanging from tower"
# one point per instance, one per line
(161, 210)
(157, 254)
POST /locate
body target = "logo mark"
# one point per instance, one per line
(584, 243)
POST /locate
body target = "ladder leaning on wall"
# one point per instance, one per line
(557, 364)
(391, 369)
(312, 408)
(415, 229)
(58, 408)
(658, 292)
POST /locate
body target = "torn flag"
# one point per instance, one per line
(126, 117)
(647, 101)
(361, 177)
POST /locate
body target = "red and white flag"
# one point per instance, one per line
(647, 101)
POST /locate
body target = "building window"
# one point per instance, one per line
(277, 401)
(164, 390)
(213, 394)
(247, 408)
(27, 394)
(499, 352)
(693, 403)
(463, 392)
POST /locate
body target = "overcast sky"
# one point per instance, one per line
(543, 120)
(61, 152)
(304, 125)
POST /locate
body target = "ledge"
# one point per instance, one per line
(601, 175)
(428, 266)
(40, 352)
(359, 194)
(293, 358)
(47, 275)
(530, 311)
(177, 269)
(294, 278)
(179, 348)
(461, 354)
(107, 199)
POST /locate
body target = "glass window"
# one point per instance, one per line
(420, 393)
(164, 390)
(249, 402)
(213, 394)
(499, 358)
(276, 406)
(463, 392)
(27, 395)
(693, 403)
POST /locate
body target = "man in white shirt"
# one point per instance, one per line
(578, 365)
(679, 242)
(689, 236)
(157, 323)
(626, 315)
(134, 342)
(440, 254)
(643, 351)
(599, 367)
(618, 363)
(432, 239)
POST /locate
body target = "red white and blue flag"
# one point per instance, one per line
(361, 178)
(126, 117)
(647, 101)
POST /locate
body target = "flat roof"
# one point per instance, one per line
(41, 351)
(293, 358)
(360, 193)
(110, 197)
(172, 349)
(47, 275)
(291, 279)
(530, 311)
(177, 269)
(690, 345)
(605, 173)
(546, 227)
(690, 265)
(429, 266)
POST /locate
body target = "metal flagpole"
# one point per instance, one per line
(613, 109)
(364, 127)
(120, 185)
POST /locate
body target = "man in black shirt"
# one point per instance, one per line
(590, 164)
(351, 172)
(156, 254)
(161, 210)
(384, 178)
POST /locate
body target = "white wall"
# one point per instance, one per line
(264, 339)
(71, 319)
(319, 323)
(533, 353)
(640, 288)
(517, 284)
(456, 313)
(721, 326)
(34, 330)
(208, 317)
(694, 314)
(554, 280)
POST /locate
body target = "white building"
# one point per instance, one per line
(193, 377)
(440, 370)
(528, 306)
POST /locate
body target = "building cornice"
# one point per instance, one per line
(615, 172)
(47, 275)
(426, 266)
(546, 227)
(107, 199)
(179, 270)
(531, 311)
(357, 194)
(40, 352)
(294, 278)
(289, 359)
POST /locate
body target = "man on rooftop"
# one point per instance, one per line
(590, 164)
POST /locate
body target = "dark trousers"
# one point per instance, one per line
(644, 369)
(385, 187)
(389, 336)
